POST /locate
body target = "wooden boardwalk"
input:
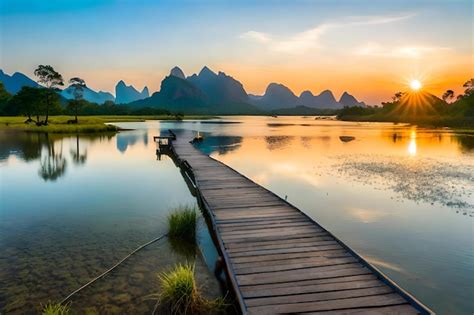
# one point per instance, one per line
(278, 259)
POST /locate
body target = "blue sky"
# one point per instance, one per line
(304, 44)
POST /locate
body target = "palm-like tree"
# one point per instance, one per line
(78, 86)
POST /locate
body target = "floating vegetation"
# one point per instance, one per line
(180, 295)
(56, 309)
(423, 179)
(182, 223)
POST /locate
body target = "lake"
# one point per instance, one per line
(401, 196)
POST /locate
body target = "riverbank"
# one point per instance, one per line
(86, 124)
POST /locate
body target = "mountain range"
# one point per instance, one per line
(125, 94)
(16, 81)
(205, 92)
(89, 95)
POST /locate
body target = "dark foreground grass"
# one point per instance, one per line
(182, 223)
(180, 295)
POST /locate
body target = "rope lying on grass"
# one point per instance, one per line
(113, 267)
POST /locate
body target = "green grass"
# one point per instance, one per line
(182, 223)
(55, 309)
(87, 124)
(180, 295)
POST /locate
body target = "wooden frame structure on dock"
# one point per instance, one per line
(279, 260)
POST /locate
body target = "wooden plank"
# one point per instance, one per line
(324, 296)
(294, 265)
(279, 245)
(308, 273)
(278, 262)
(358, 302)
(260, 290)
(403, 309)
(323, 247)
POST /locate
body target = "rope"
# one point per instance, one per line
(113, 267)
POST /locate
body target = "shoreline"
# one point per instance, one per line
(85, 125)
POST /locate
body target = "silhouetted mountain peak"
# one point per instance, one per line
(306, 94)
(177, 72)
(145, 92)
(349, 100)
(206, 72)
(127, 93)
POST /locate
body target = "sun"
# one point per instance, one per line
(415, 85)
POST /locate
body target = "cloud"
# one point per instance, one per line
(310, 39)
(255, 36)
(414, 51)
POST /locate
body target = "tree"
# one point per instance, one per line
(448, 95)
(51, 80)
(398, 96)
(28, 101)
(78, 86)
(469, 85)
(4, 98)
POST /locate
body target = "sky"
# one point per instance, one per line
(371, 49)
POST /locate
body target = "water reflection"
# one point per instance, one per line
(78, 157)
(221, 145)
(130, 138)
(412, 144)
(277, 142)
(466, 142)
(53, 164)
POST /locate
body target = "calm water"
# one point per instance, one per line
(73, 206)
(401, 196)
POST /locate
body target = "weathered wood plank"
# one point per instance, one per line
(403, 309)
(260, 290)
(358, 302)
(324, 296)
(308, 273)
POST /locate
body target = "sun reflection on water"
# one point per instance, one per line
(412, 143)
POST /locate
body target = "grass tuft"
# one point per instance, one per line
(180, 295)
(56, 309)
(182, 223)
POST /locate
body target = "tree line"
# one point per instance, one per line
(38, 103)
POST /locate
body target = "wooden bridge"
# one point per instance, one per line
(277, 258)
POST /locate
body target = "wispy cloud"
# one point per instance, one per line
(310, 39)
(255, 36)
(410, 51)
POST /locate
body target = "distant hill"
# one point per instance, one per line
(277, 96)
(15, 82)
(89, 95)
(219, 88)
(348, 100)
(127, 93)
(324, 100)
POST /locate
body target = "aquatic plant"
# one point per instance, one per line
(182, 223)
(56, 309)
(180, 295)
